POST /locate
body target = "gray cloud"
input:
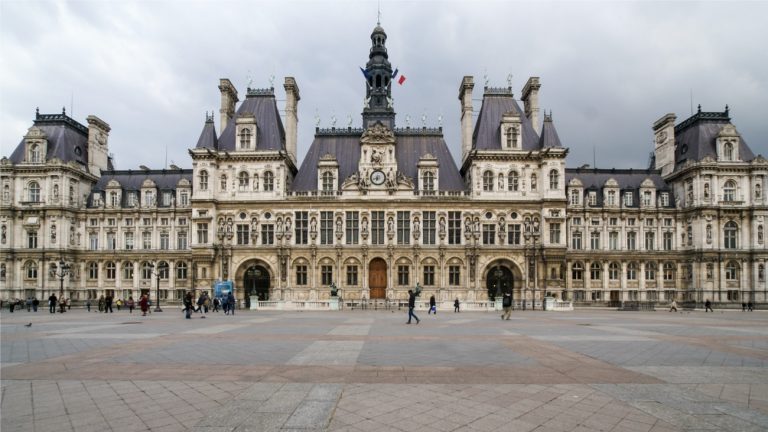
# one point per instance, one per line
(151, 69)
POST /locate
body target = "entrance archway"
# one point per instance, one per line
(499, 280)
(256, 282)
(377, 278)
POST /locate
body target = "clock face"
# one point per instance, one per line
(377, 177)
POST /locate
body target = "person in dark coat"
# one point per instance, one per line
(188, 306)
(144, 304)
(231, 303)
(35, 303)
(411, 305)
(750, 306)
(506, 303)
(130, 303)
(456, 305)
(108, 304)
(432, 305)
(52, 302)
(708, 306)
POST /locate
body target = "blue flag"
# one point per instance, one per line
(365, 73)
(394, 74)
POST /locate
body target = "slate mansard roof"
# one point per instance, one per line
(132, 180)
(262, 105)
(487, 134)
(67, 139)
(695, 138)
(629, 180)
(411, 145)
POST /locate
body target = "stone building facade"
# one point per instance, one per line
(377, 209)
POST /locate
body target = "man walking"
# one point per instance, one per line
(708, 306)
(506, 303)
(108, 304)
(673, 306)
(432, 305)
(231, 303)
(411, 305)
(456, 305)
(52, 302)
(188, 305)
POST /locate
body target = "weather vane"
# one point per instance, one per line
(271, 81)
(424, 119)
(440, 120)
(317, 118)
(333, 120)
(349, 120)
(509, 80)
(408, 120)
(485, 76)
(249, 77)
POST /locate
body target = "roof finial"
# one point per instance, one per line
(317, 118)
(64, 110)
(509, 81)
(378, 13)
(37, 112)
(699, 107)
(726, 109)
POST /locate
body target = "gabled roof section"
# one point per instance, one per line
(549, 137)
(67, 139)
(629, 180)
(695, 137)
(132, 180)
(262, 105)
(496, 103)
(208, 137)
(411, 145)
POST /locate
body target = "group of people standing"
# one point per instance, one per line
(204, 303)
(432, 305)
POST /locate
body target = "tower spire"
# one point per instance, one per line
(378, 87)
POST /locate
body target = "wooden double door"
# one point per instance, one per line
(377, 278)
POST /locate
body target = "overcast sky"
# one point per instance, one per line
(608, 70)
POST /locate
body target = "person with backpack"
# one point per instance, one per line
(432, 305)
(506, 303)
(411, 306)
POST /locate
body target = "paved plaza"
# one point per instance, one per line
(369, 371)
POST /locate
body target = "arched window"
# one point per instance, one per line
(245, 138)
(203, 180)
(163, 269)
(223, 183)
(614, 269)
(512, 181)
(730, 234)
(534, 182)
(93, 270)
(728, 151)
(554, 180)
(31, 270)
(127, 270)
(595, 270)
(732, 271)
(243, 180)
(34, 153)
(269, 181)
(729, 191)
(146, 270)
(632, 271)
(758, 191)
(488, 181)
(577, 271)
(110, 269)
(34, 192)
(669, 271)
(327, 181)
(650, 271)
(181, 270)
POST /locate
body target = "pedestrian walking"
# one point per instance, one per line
(29, 304)
(108, 304)
(62, 305)
(11, 305)
(743, 307)
(144, 304)
(708, 306)
(216, 303)
(750, 306)
(231, 303)
(411, 305)
(119, 304)
(88, 305)
(432, 305)
(102, 302)
(35, 303)
(130, 303)
(52, 302)
(456, 305)
(188, 306)
(673, 306)
(506, 303)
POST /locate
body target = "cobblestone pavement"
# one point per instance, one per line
(368, 371)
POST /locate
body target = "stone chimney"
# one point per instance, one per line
(531, 102)
(664, 140)
(98, 150)
(292, 98)
(465, 96)
(228, 101)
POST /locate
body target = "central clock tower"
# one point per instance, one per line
(378, 83)
(378, 162)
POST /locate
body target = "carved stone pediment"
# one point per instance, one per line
(759, 160)
(378, 134)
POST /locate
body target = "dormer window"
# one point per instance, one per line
(327, 181)
(149, 199)
(628, 199)
(554, 180)
(246, 131)
(34, 153)
(592, 198)
(575, 197)
(510, 131)
(114, 199)
(512, 134)
(728, 151)
(34, 192)
(647, 199)
(611, 198)
(131, 199)
(203, 180)
(665, 199)
(428, 181)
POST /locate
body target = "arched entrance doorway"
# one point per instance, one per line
(377, 278)
(499, 280)
(256, 282)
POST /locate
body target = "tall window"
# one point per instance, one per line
(34, 192)
(129, 241)
(181, 270)
(667, 241)
(202, 233)
(301, 227)
(650, 271)
(245, 138)
(113, 199)
(632, 271)
(577, 271)
(429, 228)
(732, 271)
(165, 242)
(326, 274)
(631, 240)
(595, 271)
(594, 240)
(669, 271)
(574, 197)
(489, 234)
(110, 270)
(454, 275)
(429, 181)
(269, 181)
(488, 181)
(111, 241)
(730, 234)
(243, 233)
(93, 241)
(513, 181)
(327, 181)
(93, 270)
(377, 227)
(403, 227)
(353, 228)
(326, 227)
(429, 275)
(181, 240)
(650, 241)
(513, 234)
(203, 180)
(34, 153)
(729, 191)
(403, 275)
(576, 240)
(351, 275)
(301, 275)
(554, 233)
(146, 240)
(454, 227)
(243, 181)
(32, 239)
(728, 151)
(554, 180)
(613, 271)
(267, 234)
(127, 270)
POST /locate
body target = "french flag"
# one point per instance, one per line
(400, 80)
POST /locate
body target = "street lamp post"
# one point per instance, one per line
(498, 273)
(156, 271)
(60, 273)
(532, 234)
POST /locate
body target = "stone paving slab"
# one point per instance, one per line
(368, 371)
